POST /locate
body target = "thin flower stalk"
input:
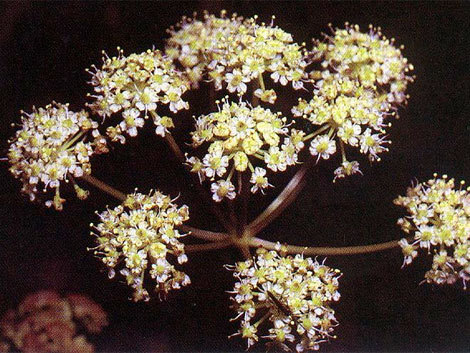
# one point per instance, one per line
(104, 187)
(207, 246)
(205, 234)
(324, 251)
(281, 202)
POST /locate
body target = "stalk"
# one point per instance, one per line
(326, 251)
(281, 202)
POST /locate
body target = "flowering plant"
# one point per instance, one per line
(347, 88)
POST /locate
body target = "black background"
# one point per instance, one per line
(45, 48)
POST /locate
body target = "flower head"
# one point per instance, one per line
(53, 146)
(239, 137)
(47, 322)
(369, 58)
(286, 297)
(233, 51)
(362, 82)
(135, 86)
(140, 236)
(439, 219)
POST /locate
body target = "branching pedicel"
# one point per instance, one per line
(347, 86)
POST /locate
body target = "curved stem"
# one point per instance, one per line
(326, 251)
(205, 234)
(280, 203)
(104, 187)
(206, 247)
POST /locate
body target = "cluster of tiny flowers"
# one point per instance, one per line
(288, 295)
(233, 52)
(47, 322)
(192, 42)
(439, 219)
(369, 58)
(362, 82)
(51, 147)
(140, 234)
(135, 86)
(238, 135)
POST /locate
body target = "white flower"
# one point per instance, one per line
(221, 189)
(372, 144)
(215, 164)
(259, 179)
(236, 82)
(425, 235)
(275, 159)
(290, 151)
(131, 121)
(281, 78)
(268, 96)
(146, 100)
(409, 251)
(347, 168)
(349, 133)
(322, 147)
(196, 167)
(173, 96)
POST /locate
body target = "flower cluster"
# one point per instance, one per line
(233, 52)
(47, 322)
(140, 234)
(288, 295)
(439, 218)
(134, 86)
(362, 82)
(242, 134)
(51, 147)
(369, 58)
(192, 41)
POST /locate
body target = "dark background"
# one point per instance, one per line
(44, 49)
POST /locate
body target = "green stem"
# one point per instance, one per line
(74, 139)
(326, 251)
(317, 132)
